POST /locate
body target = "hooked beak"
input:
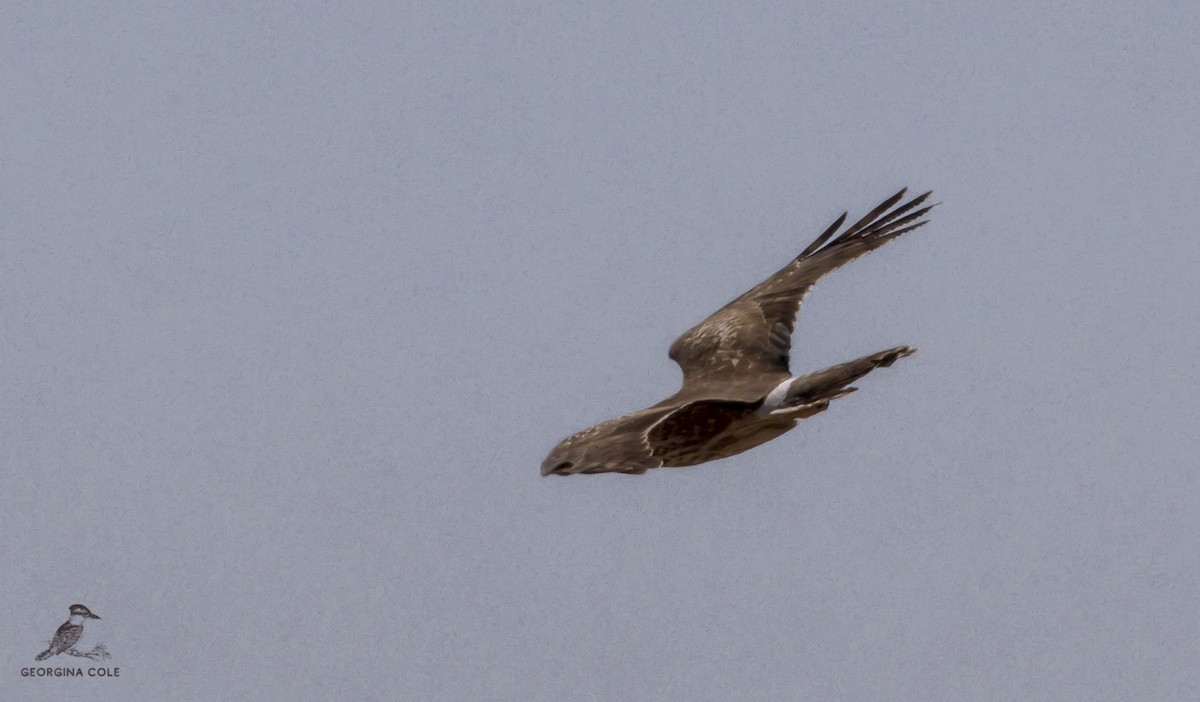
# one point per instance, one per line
(559, 468)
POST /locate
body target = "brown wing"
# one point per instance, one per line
(684, 437)
(742, 350)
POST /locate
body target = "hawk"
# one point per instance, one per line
(737, 389)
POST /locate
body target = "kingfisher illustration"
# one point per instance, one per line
(69, 633)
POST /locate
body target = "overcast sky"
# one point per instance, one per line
(295, 299)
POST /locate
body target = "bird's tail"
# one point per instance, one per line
(45, 654)
(806, 395)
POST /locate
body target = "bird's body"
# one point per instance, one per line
(738, 391)
(69, 633)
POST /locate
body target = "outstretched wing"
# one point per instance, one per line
(742, 350)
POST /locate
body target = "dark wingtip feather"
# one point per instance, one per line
(890, 218)
(824, 236)
(873, 214)
(892, 235)
(885, 229)
(879, 225)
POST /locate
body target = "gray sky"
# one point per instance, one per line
(295, 301)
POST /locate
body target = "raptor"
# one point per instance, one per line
(738, 391)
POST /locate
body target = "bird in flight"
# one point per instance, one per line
(737, 389)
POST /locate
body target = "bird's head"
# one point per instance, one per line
(81, 611)
(565, 459)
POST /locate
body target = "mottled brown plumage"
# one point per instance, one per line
(738, 391)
